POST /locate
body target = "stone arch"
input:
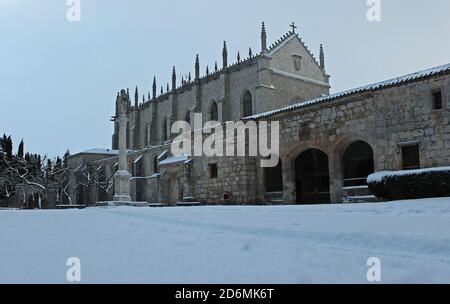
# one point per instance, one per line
(312, 177)
(358, 164)
(288, 155)
(247, 104)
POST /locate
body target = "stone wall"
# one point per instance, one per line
(386, 119)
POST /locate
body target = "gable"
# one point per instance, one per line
(291, 56)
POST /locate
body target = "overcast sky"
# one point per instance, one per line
(59, 79)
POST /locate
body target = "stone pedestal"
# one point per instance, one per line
(122, 177)
(122, 186)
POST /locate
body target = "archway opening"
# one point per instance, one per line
(312, 178)
(358, 164)
(273, 178)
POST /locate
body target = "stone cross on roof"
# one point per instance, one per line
(294, 27)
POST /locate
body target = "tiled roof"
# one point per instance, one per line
(376, 86)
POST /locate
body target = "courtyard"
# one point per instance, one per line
(232, 244)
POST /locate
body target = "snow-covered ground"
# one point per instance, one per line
(292, 244)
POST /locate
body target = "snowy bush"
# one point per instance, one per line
(411, 184)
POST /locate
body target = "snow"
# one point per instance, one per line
(214, 244)
(174, 160)
(379, 176)
(355, 187)
(101, 151)
(162, 155)
(138, 159)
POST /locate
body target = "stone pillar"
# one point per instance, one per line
(265, 90)
(336, 177)
(122, 176)
(187, 185)
(289, 182)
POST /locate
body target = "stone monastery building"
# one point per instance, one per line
(329, 144)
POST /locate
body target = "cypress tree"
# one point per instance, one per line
(9, 147)
(20, 150)
(66, 159)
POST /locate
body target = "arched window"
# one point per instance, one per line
(213, 112)
(164, 130)
(358, 164)
(247, 107)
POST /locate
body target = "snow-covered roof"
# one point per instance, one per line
(376, 86)
(285, 39)
(280, 42)
(101, 151)
(174, 160)
(138, 159)
(162, 155)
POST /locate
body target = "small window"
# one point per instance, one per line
(436, 97)
(213, 171)
(411, 157)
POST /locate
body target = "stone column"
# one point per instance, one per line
(122, 176)
(186, 184)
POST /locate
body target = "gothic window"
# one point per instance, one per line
(213, 112)
(358, 164)
(273, 178)
(164, 130)
(436, 97)
(411, 157)
(247, 107)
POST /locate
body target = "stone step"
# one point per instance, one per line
(356, 191)
(71, 206)
(188, 204)
(361, 199)
(276, 198)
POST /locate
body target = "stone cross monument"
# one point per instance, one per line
(122, 176)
